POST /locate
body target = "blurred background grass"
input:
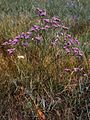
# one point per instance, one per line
(68, 10)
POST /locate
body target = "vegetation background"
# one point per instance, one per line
(28, 89)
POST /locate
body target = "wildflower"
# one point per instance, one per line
(22, 35)
(46, 20)
(76, 50)
(68, 43)
(67, 49)
(46, 27)
(11, 42)
(27, 36)
(29, 33)
(56, 25)
(56, 19)
(71, 41)
(11, 50)
(35, 28)
(38, 38)
(76, 41)
(18, 37)
(15, 41)
(41, 12)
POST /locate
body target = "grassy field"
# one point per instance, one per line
(44, 60)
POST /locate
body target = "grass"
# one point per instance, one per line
(37, 87)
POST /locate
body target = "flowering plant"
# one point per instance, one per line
(49, 31)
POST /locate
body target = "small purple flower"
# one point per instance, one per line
(76, 50)
(38, 38)
(18, 37)
(67, 49)
(56, 19)
(76, 41)
(21, 36)
(46, 27)
(71, 41)
(65, 40)
(46, 20)
(29, 33)
(41, 12)
(56, 25)
(54, 22)
(27, 36)
(35, 28)
(11, 50)
(15, 41)
(68, 43)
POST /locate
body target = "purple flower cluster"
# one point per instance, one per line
(36, 34)
(53, 22)
(13, 42)
(72, 45)
(17, 38)
(77, 51)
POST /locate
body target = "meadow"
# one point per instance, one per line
(44, 59)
